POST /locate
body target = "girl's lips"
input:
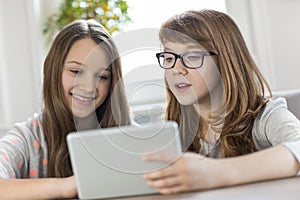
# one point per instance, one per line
(82, 99)
(182, 87)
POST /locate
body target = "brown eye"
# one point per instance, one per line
(74, 71)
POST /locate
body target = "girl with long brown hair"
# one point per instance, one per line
(234, 132)
(82, 89)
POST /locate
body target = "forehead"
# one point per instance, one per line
(182, 47)
(87, 51)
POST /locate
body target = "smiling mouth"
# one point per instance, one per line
(82, 98)
(182, 85)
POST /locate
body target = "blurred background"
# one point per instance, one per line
(27, 28)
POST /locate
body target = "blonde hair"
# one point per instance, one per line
(243, 84)
(58, 119)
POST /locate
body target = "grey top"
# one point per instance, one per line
(23, 150)
(273, 126)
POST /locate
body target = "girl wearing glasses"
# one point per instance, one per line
(82, 89)
(218, 97)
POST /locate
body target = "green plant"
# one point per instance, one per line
(112, 14)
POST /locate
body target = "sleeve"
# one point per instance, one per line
(13, 154)
(294, 147)
(284, 128)
(278, 126)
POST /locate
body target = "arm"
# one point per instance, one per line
(194, 172)
(18, 156)
(276, 130)
(273, 163)
(45, 188)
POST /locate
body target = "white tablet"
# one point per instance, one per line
(107, 163)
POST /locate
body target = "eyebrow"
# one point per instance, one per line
(76, 62)
(188, 46)
(81, 64)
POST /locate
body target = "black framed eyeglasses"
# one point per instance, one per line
(191, 59)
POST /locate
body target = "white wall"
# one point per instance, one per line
(272, 30)
(144, 79)
(19, 61)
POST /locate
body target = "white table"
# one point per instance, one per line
(287, 189)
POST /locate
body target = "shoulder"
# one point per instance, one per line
(274, 104)
(276, 124)
(24, 143)
(273, 109)
(29, 129)
(31, 123)
(276, 110)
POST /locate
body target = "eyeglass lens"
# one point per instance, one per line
(189, 59)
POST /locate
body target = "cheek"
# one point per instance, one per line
(67, 82)
(103, 88)
(209, 73)
(198, 80)
(169, 77)
(212, 77)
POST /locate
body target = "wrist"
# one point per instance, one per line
(226, 172)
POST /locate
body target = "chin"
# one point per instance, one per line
(81, 115)
(186, 102)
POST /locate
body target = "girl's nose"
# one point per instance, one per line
(179, 68)
(87, 84)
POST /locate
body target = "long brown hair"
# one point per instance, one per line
(58, 119)
(243, 84)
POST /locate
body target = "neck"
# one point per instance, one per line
(89, 122)
(211, 102)
(205, 107)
